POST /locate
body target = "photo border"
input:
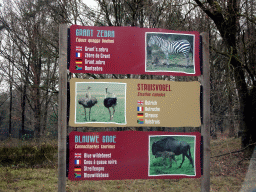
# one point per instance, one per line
(194, 63)
(97, 121)
(194, 152)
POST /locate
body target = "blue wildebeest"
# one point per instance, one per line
(175, 146)
(166, 155)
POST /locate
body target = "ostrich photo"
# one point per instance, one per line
(110, 101)
(87, 102)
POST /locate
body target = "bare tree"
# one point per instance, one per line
(229, 18)
(33, 32)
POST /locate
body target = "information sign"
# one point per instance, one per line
(133, 103)
(133, 155)
(132, 50)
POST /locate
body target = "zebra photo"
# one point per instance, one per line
(169, 52)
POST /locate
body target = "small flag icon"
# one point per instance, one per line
(78, 155)
(140, 121)
(140, 102)
(78, 62)
(140, 115)
(77, 175)
(78, 169)
(139, 108)
(79, 48)
(78, 54)
(77, 162)
(79, 67)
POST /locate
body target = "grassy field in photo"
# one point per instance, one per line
(99, 113)
(158, 168)
(177, 62)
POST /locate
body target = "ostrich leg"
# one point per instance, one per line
(90, 114)
(109, 113)
(113, 112)
(85, 113)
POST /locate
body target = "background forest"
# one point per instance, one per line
(29, 54)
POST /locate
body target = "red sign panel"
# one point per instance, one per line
(132, 50)
(133, 155)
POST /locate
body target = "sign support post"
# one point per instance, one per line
(62, 108)
(205, 127)
(79, 63)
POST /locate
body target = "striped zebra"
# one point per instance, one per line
(181, 46)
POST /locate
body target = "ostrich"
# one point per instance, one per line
(87, 102)
(110, 101)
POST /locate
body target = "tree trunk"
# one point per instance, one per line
(37, 114)
(245, 105)
(227, 23)
(10, 114)
(253, 114)
(23, 106)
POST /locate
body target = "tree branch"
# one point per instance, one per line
(234, 151)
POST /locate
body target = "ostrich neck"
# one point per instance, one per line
(88, 95)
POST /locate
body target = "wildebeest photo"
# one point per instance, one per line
(181, 149)
(169, 52)
(166, 155)
(100, 102)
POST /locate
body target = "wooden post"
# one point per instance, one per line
(62, 108)
(205, 128)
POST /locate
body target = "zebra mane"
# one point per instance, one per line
(157, 40)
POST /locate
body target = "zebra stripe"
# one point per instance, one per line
(181, 46)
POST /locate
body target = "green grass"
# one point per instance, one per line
(177, 62)
(43, 179)
(227, 174)
(28, 179)
(99, 113)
